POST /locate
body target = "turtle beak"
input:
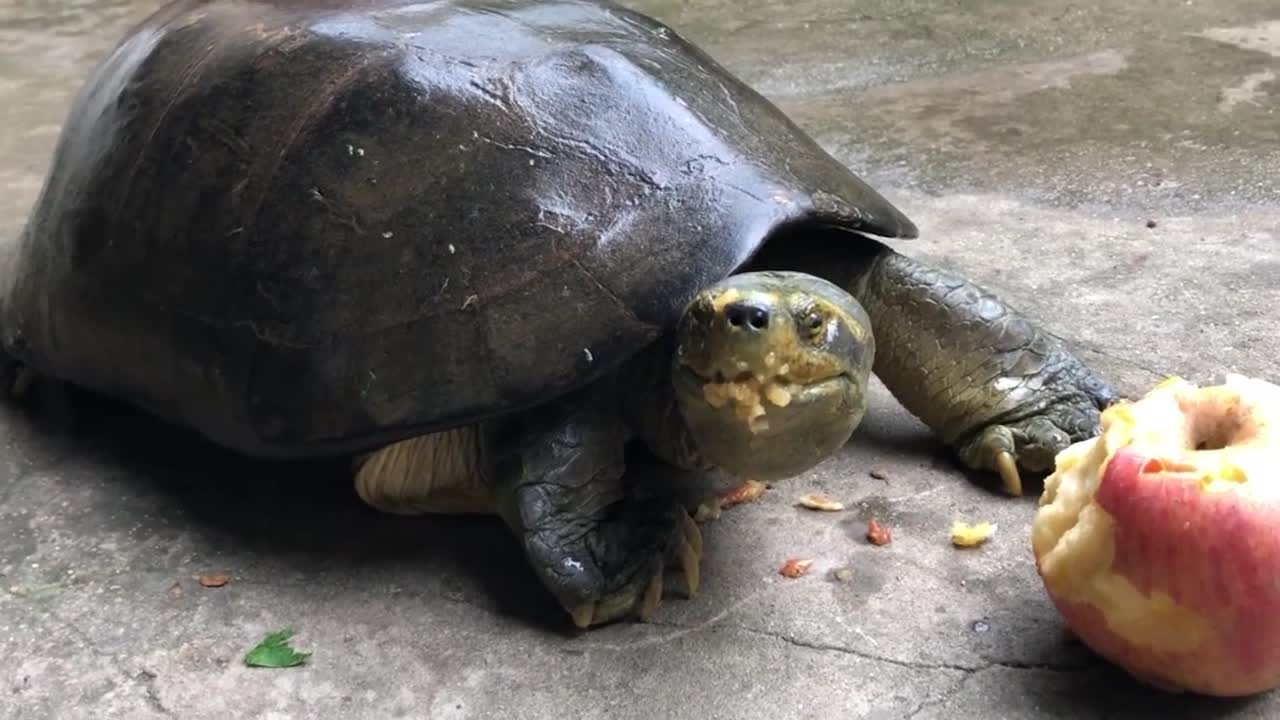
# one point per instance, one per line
(729, 334)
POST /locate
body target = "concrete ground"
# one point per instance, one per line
(1031, 141)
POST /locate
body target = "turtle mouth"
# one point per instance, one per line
(754, 396)
(780, 374)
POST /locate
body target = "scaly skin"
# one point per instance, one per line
(554, 474)
(992, 384)
(651, 409)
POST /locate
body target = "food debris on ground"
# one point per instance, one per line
(707, 511)
(965, 535)
(818, 501)
(216, 580)
(795, 567)
(877, 534)
(749, 491)
(843, 574)
(274, 652)
(879, 473)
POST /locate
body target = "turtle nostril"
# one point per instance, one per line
(744, 315)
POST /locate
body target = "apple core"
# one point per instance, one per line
(1157, 540)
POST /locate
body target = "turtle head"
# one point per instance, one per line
(771, 372)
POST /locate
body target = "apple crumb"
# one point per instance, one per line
(965, 535)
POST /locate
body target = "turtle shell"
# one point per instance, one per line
(304, 228)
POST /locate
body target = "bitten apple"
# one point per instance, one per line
(1159, 540)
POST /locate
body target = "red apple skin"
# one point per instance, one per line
(1216, 553)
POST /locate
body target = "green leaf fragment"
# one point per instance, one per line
(274, 652)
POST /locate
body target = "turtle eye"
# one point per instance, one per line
(814, 323)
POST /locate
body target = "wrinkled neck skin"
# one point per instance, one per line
(651, 409)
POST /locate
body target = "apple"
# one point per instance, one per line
(1159, 540)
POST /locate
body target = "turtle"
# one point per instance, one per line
(484, 249)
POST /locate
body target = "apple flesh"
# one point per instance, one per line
(1159, 540)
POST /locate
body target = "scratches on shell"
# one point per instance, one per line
(618, 302)
(502, 100)
(322, 98)
(189, 78)
(350, 220)
(511, 146)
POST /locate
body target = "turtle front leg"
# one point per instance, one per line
(559, 487)
(996, 387)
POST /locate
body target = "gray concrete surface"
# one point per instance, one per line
(1031, 141)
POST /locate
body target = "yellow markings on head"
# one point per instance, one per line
(800, 354)
(759, 372)
(859, 331)
(731, 295)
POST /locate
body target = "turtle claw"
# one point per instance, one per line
(643, 601)
(1025, 446)
(1008, 468)
(583, 615)
(651, 599)
(691, 563)
(690, 551)
(692, 534)
(609, 610)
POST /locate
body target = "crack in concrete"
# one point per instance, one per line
(148, 681)
(970, 674)
(681, 630)
(937, 700)
(145, 678)
(915, 664)
(968, 669)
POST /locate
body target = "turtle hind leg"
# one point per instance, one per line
(601, 553)
(438, 473)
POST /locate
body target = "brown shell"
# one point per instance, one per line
(305, 227)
